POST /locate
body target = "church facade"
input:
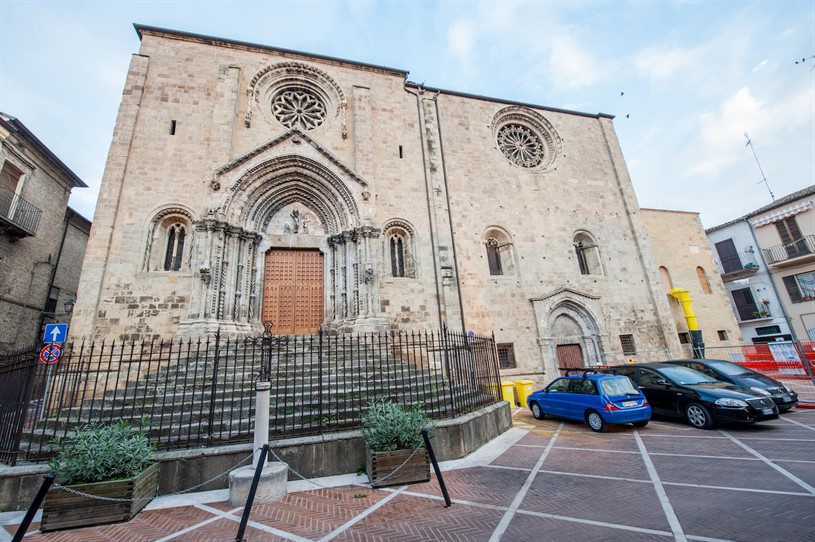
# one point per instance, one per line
(248, 183)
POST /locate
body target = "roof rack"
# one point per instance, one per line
(586, 372)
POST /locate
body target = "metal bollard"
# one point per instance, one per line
(35, 505)
(436, 468)
(251, 497)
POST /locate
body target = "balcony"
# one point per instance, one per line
(801, 251)
(737, 265)
(18, 217)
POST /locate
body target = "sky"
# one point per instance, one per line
(685, 80)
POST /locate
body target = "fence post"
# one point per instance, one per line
(214, 386)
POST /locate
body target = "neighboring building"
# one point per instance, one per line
(767, 261)
(686, 262)
(247, 183)
(42, 240)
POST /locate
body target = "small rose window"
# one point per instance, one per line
(520, 145)
(298, 108)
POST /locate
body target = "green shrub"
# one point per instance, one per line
(389, 426)
(98, 453)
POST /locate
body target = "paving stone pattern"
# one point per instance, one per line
(546, 480)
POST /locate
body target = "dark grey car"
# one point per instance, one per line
(726, 371)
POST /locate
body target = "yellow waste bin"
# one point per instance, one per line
(508, 392)
(524, 389)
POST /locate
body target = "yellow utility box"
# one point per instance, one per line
(524, 389)
(508, 392)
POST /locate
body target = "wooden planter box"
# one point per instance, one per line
(64, 510)
(381, 464)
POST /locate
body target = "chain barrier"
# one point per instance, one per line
(394, 471)
(183, 491)
(242, 461)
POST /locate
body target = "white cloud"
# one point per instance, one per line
(722, 133)
(461, 39)
(571, 66)
(760, 65)
(660, 64)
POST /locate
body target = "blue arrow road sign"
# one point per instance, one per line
(55, 333)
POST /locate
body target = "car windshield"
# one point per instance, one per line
(683, 375)
(618, 386)
(730, 369)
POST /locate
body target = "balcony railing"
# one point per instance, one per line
(781, 253)
(741, 263)
(17, 214)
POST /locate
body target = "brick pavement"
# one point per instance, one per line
(542, 480)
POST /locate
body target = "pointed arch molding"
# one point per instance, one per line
(283, 171)
(582, 308)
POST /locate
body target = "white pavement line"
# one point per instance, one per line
(356, 519)
(779, 439)
(218, 514)
(673, 521)
(487, 453)
(742, 489)
(516, 502)
(771, 463)
(595, 450)
(235, 515)
(798, 423)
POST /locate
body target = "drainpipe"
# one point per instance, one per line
(449, 212)
(429, 208)
(683, 296)
(69, 214)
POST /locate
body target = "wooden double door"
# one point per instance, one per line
(293, 289)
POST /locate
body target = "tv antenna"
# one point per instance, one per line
(763, 177)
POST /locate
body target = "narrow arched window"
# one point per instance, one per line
(494, 257)
(587, 254)
(176, 235)
(398, 249)
(703, 280)
(397, 256)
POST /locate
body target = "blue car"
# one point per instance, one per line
(598, 399)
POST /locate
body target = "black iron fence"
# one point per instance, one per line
(201, 392)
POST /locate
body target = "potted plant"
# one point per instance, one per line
(114, 462)
(395, 454)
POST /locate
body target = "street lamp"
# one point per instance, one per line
(69, 306)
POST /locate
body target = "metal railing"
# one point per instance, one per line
(781, 253)
(200, 392)
(737, 264)
(19, 212)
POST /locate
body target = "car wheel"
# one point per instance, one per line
(783, 410)
(641, 423)
(595, 421)
(536, 411)
(698, 416)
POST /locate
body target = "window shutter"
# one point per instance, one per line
(792, 289)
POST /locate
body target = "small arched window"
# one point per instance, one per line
(398, 245)
(703, 280)
(665, 275)
(500, 252)
(176, 234)
(169, 240)
(587, 253)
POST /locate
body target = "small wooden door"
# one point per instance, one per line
(569, 355)
(293, 291)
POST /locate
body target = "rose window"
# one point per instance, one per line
(298, 108)
(520, 145)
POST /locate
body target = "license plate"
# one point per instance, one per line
(766, 411)
(629, 403)
(785, 398)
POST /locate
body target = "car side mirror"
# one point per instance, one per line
(662, 382)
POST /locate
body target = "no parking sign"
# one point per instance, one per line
(50, 353)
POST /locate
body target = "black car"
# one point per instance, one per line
(704, 402)
(784, 396)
